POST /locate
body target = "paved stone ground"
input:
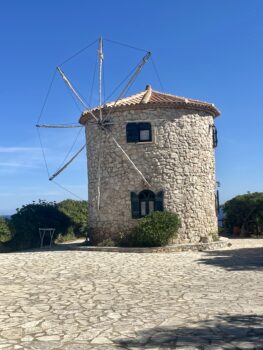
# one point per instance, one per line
(80, 300)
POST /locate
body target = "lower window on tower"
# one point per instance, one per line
(145, 202)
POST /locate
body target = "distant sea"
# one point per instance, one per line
(5, 216)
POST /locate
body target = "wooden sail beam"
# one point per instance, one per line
(131, 80)
(71, 87)
(65, 166)
(62, 126)
(75, 92)
(100, 54)
(98, 174)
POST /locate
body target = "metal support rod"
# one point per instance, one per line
(100, 53)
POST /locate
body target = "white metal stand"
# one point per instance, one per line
(42, 232)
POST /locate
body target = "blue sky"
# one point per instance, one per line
(207, 49)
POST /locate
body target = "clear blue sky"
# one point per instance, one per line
(207, 49)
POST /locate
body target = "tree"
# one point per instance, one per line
(246, 212)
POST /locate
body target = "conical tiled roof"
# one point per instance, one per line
(151, 99)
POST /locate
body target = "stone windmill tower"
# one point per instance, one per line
(147, 152)
(155, 153)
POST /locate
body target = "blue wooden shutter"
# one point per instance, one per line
(159, 201)
(135, 205)
(132, 132)
(215, 138)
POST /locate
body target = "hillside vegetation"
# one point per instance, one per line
(69, 218)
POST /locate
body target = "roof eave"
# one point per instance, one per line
(207, 108)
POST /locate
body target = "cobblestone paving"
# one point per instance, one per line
(80, 300)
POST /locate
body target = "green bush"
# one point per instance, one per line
(154, 230)
(108, 242)
(5, 233)
(246, 212)
(69, 236)
(69, 218)
(77, 211)
(30, 218)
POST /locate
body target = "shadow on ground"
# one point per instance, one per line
(235, 259)
(225, 332)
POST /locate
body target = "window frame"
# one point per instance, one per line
(133, 132)
(148, 197)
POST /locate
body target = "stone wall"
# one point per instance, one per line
(179, 161)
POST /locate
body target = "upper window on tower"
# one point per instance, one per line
(139, 132)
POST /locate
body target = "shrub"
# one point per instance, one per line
(154, 230)
(108, 242)
(246, 212)
(77, 211)
(30, 218)
(69, 236)
(5, 233)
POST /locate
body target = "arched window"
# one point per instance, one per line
(145, 203)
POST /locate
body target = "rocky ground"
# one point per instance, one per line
(81, 300)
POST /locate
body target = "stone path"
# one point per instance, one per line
(80, 300)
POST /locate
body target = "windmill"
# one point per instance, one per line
(146, 152)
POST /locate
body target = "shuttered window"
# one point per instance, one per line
(135, 205)
(139, 132)
(215, 138)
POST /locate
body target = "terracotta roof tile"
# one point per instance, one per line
(151, 98)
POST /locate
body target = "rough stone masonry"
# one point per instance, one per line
(179, 161)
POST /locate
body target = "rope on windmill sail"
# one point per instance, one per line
(120, 84)
(62, 168)
(40, 116)
(125, 45)
(71, 148)
(43, 152)
(47, 95)
(67, 190)
(157, 74)
(93, 80)
(78, 52)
